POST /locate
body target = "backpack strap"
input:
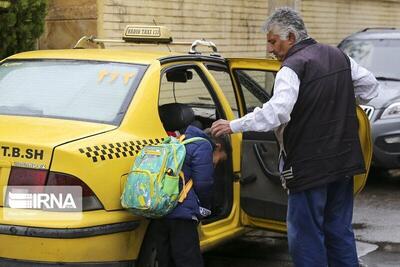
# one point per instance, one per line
(181, 138)
(185, 187)
(189, 184)
(191, 140)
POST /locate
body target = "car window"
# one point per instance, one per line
(256, 86)
(190, 90)
(381, 56)
(79, 90)
(224, 81)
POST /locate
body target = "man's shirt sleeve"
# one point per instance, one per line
(366, 86)
(277, 110)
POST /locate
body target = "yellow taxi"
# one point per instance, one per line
(78, 117)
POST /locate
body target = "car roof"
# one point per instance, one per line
(113, 55)
(375, 33)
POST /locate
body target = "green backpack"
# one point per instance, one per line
(152, 186)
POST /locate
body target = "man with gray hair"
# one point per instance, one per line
(313, 113)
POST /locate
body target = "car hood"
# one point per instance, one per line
(30, 141)
(389, 93)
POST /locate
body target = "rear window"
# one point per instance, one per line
(77, 90)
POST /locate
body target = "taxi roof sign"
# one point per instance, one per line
(147, 34)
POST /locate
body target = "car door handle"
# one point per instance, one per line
(267, 172)
(248, 179)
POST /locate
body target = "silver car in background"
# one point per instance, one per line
(378, 50)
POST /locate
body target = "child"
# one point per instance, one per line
(177, 238)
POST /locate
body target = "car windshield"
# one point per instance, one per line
(381, 56)
(69, 89)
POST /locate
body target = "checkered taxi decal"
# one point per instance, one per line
(117, 150)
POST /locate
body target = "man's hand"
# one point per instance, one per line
(220, 127)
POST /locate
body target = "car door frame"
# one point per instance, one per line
(263, 200)
(228, 227)
(267, 220)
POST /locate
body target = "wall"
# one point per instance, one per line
(331, 21)
(67, 21)
(234, 26)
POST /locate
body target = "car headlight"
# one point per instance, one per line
(392, 111)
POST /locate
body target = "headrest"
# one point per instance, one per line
(176, 116)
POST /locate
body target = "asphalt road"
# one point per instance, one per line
(376, 225)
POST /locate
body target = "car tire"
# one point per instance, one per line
(148, 251)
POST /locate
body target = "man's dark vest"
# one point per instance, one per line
(321, 140)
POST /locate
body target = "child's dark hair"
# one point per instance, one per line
(222, 140)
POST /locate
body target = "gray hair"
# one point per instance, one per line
(283, 21)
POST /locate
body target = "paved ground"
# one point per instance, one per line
(377, 221)
(376, 225)
(376, 213)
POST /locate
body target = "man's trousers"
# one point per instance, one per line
(320, 233)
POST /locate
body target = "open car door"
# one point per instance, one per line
(263, 200)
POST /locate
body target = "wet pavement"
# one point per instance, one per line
(376, 225)
(376, 212)
(377, 220)
(256, 249)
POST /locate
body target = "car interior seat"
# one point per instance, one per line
(177, 117)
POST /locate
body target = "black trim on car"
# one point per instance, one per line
(68, 233)
(388, 147)
(170, 59)
(24, 263)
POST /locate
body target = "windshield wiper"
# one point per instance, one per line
(382, 78)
